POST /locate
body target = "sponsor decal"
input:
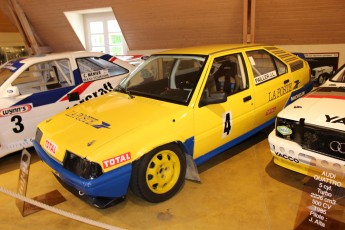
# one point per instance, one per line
(87, 119)
(265, 77)
(335, 119)
(279, 92)
(107, 87)
(50, 147)
(116, 160)
(270, 111)
(95, 75)
(15, 110)
(284, 130)
(287, 157)
(301, 94)
(14, 65)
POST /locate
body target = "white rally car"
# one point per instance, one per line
(35, 88)
(309, 136)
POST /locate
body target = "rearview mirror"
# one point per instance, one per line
(213, 98)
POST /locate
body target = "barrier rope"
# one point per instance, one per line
(59, 211)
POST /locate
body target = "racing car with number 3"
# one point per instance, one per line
(309, 136)
(37, 87)
(176, 110)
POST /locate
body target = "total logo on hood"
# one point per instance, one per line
(89, 120)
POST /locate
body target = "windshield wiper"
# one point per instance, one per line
(122, 89)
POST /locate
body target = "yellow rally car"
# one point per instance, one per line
(175, 111)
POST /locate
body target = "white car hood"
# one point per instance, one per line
(322, 107)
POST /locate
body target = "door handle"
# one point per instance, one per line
(286, 81)
(247, 98)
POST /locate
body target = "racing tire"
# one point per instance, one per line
(159, 174)
(322, 79)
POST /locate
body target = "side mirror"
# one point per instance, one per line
(12, 91)
(214, 98)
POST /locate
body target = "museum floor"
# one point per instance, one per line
(241, 189)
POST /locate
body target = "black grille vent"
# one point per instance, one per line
(324, 141)
(296, 65)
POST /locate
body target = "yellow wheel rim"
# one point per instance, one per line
(163, 171)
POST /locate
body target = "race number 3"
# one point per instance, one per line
(226, 124)
(17, 120)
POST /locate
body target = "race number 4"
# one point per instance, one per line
(226, 124)
(17, 120)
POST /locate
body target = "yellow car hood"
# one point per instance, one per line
(85, 128)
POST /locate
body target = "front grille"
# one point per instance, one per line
(327, 142)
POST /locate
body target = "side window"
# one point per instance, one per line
(94, 68)
(265, 66)
(228, 74)
(45, 76)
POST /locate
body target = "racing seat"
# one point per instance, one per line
(228, 69)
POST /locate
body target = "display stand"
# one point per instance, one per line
(51, 198)
(322, 203)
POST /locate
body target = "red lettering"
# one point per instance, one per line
(116, 160)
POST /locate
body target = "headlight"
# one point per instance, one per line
(81, 166)
(290, 130)
(38, 136)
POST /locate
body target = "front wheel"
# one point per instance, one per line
(159, 174)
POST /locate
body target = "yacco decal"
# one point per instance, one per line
(79, 89)
(116, 160)
(15, 110)
(87, 119)
(45, 98)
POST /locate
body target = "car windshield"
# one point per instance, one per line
(339, 76)
(170, 78)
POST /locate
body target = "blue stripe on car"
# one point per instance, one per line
(232, 143)
(44, 98)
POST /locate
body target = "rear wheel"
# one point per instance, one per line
(322, 78)
(159, 174)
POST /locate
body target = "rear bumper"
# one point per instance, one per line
(110, 185)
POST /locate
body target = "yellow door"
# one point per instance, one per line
(218, 124)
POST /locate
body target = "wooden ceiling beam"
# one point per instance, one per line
(31, 39)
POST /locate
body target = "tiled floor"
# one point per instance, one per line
(241, 189)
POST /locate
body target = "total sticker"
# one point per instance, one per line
(50, 147)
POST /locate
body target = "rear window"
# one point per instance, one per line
(94, 68)
(265, 66)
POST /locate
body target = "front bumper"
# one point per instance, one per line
(291, 155)
(110, 185)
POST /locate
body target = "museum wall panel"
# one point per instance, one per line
(149, 24)
(300, 22)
